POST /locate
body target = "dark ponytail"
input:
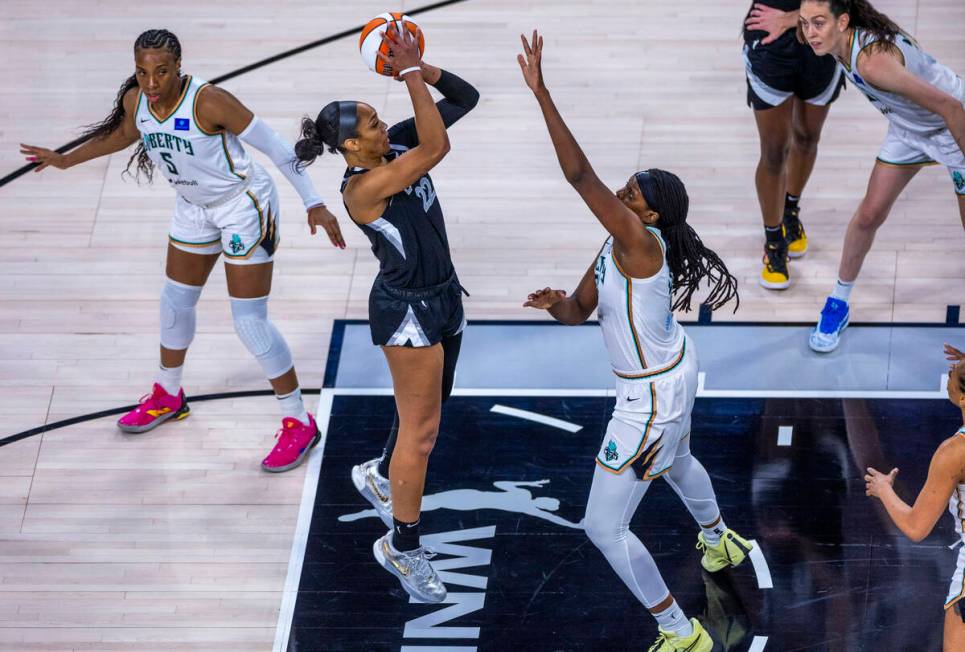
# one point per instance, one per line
(862, 15)
(323, 132)
(150, 40)
(689, 260)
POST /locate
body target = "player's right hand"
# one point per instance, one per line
(544, 299)
(43, 157)
(403, 49)
(953, 354)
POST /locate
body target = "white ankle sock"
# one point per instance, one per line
(170, 379)
(713, 533)
(842, 290)
(672, 619)
(292, 406)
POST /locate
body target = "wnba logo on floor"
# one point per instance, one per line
(511, 496)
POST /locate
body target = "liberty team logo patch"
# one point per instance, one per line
(611, 451)
(236, 244)
(182, 124)
(959, 181)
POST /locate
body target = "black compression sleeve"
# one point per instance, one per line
(460, 97)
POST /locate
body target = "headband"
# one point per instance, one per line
(648, 188)
(347, 122)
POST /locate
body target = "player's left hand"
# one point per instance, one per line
(320, 216)
(877, 482)
(953, 354)
(532, 63)
(768, 19)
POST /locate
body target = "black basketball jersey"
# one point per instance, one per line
(409, 238)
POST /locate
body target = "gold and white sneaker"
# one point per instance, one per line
(412, 567)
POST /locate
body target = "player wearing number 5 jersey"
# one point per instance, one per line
(226, 203)
(651, 264)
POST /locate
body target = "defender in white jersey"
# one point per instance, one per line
(226, 203)
(945, 486)
(924, 103)
(649, 266)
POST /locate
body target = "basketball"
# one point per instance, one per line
(370, 40)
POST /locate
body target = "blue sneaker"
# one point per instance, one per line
(834, 319)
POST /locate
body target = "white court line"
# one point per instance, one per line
(707, 393)
(784, 435)
(300, 540)
(760, 566)
(323, 413)
(943, 383)
(535, 416)
(757, 645)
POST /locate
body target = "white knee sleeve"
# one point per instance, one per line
(178, 318)
(260, 336)
(690, 481)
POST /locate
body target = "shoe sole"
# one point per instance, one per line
(793, 255)
(358, 479)
(298, 460)
(817, 348)
(774, 286)
(384, 563)
(182, 413)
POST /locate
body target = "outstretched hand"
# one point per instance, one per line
(953, 354)
(876, 482)
(544, 299)
(531, 63)
(320, 216)
(43, 157)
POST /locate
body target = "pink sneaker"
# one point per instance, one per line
(295, 442)
(154, 409)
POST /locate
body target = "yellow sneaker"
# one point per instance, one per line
(699, 641)
(731, 551)
(775, 275)
(794, 235)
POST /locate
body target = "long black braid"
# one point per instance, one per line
(689, 260)
(152, 39)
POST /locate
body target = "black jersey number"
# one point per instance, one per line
(167, 160)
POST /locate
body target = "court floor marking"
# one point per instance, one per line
(785, 435)
(536, 417)
(323, 414)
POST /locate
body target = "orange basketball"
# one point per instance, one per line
(370, 40)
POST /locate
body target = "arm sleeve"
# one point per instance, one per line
(459, 98)
(260, 136)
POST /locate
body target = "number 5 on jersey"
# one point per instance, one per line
(167, 160)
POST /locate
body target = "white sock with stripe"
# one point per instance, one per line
(170, 379)
(712, 533)
(293, 406)
(672, 619)
(842, 290)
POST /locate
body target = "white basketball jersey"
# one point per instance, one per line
(641, 334)
(901, 111)
(956, 504)
(202, 167)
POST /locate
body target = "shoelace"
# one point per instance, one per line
(662, 638)
(772, 259)
(422, 567)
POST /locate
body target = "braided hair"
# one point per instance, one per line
(689, 260)
(152, 39)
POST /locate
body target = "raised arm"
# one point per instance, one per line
(367, 192)
(622, 223)
(459, 97)
(573, 310)
(219, 110)
(122, 137)
(880, 67)
(916, 522)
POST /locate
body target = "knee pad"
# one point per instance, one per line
(178, 315)
(260, 336)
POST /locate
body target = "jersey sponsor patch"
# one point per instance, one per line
(182, 124)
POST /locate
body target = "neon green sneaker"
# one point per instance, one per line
(699, 641)
(731, 551)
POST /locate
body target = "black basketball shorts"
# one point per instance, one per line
(778, 70)
(415, 317)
